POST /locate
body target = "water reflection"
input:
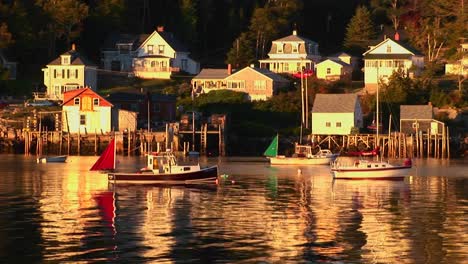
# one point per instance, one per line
(257, 213)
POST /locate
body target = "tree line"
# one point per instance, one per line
(235, 31)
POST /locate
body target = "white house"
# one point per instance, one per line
(336, 114)
(154, 56)
(333, 70)
(382, 60)
(85, 111)
(291, 54)
(68, 72)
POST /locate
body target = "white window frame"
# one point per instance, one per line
(76, 101)
(150, 49)
(82, 120)
(327, 124)
(235, 84)
(259, 85)
(95, 101)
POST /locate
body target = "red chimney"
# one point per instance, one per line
(397, 36)
(73, 46)
(229, 69)
(160, 28)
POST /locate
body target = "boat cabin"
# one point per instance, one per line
(166, 163)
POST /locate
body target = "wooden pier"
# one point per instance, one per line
(393, 145)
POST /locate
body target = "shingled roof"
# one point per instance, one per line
(416, 112)
(334, 103)
(75, 59)
(212, 74)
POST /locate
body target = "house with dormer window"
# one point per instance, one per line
(70, 71)
(154, 56)
(292, 54)
(383, 59)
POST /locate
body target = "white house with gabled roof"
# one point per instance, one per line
(291, 54)
(383, 59)
(336, 114)
(154, 56)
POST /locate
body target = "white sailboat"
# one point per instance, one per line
(365, 169)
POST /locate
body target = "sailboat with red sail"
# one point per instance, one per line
(106, 161)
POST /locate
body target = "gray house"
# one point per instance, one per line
(415, 118)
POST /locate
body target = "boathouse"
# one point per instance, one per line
(336, 114)
(415, 118)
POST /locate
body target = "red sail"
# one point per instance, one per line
(107, 159)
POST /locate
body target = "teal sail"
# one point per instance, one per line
(272, 150)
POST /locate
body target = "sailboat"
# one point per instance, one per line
(162, 168)
(302, 155)
(365, 169)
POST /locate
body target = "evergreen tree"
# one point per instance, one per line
(189, 20)
(241, 54)
(359, 32)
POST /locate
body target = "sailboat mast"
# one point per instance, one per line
(377, 110)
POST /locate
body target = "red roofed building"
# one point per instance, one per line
(86, 111)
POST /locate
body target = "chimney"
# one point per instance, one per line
(252, 65)
(397, 36)
(295, 32)
(73, 47)
(160, 28)
(229, 69)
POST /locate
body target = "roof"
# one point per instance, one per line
(70, 95)
(118, 38)
(212, 74)
(76, 59)
(265, 72)
(340, 62)
(340, 54)
(173, 42)
(416, 112)
(404, 45)
(334, 103)
(294, 38)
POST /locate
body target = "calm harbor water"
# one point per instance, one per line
(256, 214)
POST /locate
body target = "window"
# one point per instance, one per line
(389, 49)
(259, 85)
(55, 73)
(76, 73)
(63, 73)
(280, 48)
(328, 124)
(415, 125)
(328, 70)
(77, 101)
(96, 101)
(161, 49)
(235, 84)
(294, 49)
(83, 120)
(338, 124)
(286, 67)
(150, 49)
(68, 73)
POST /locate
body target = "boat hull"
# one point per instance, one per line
(279, 160)
(395, 173)
(52, 159)
(204, 174)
